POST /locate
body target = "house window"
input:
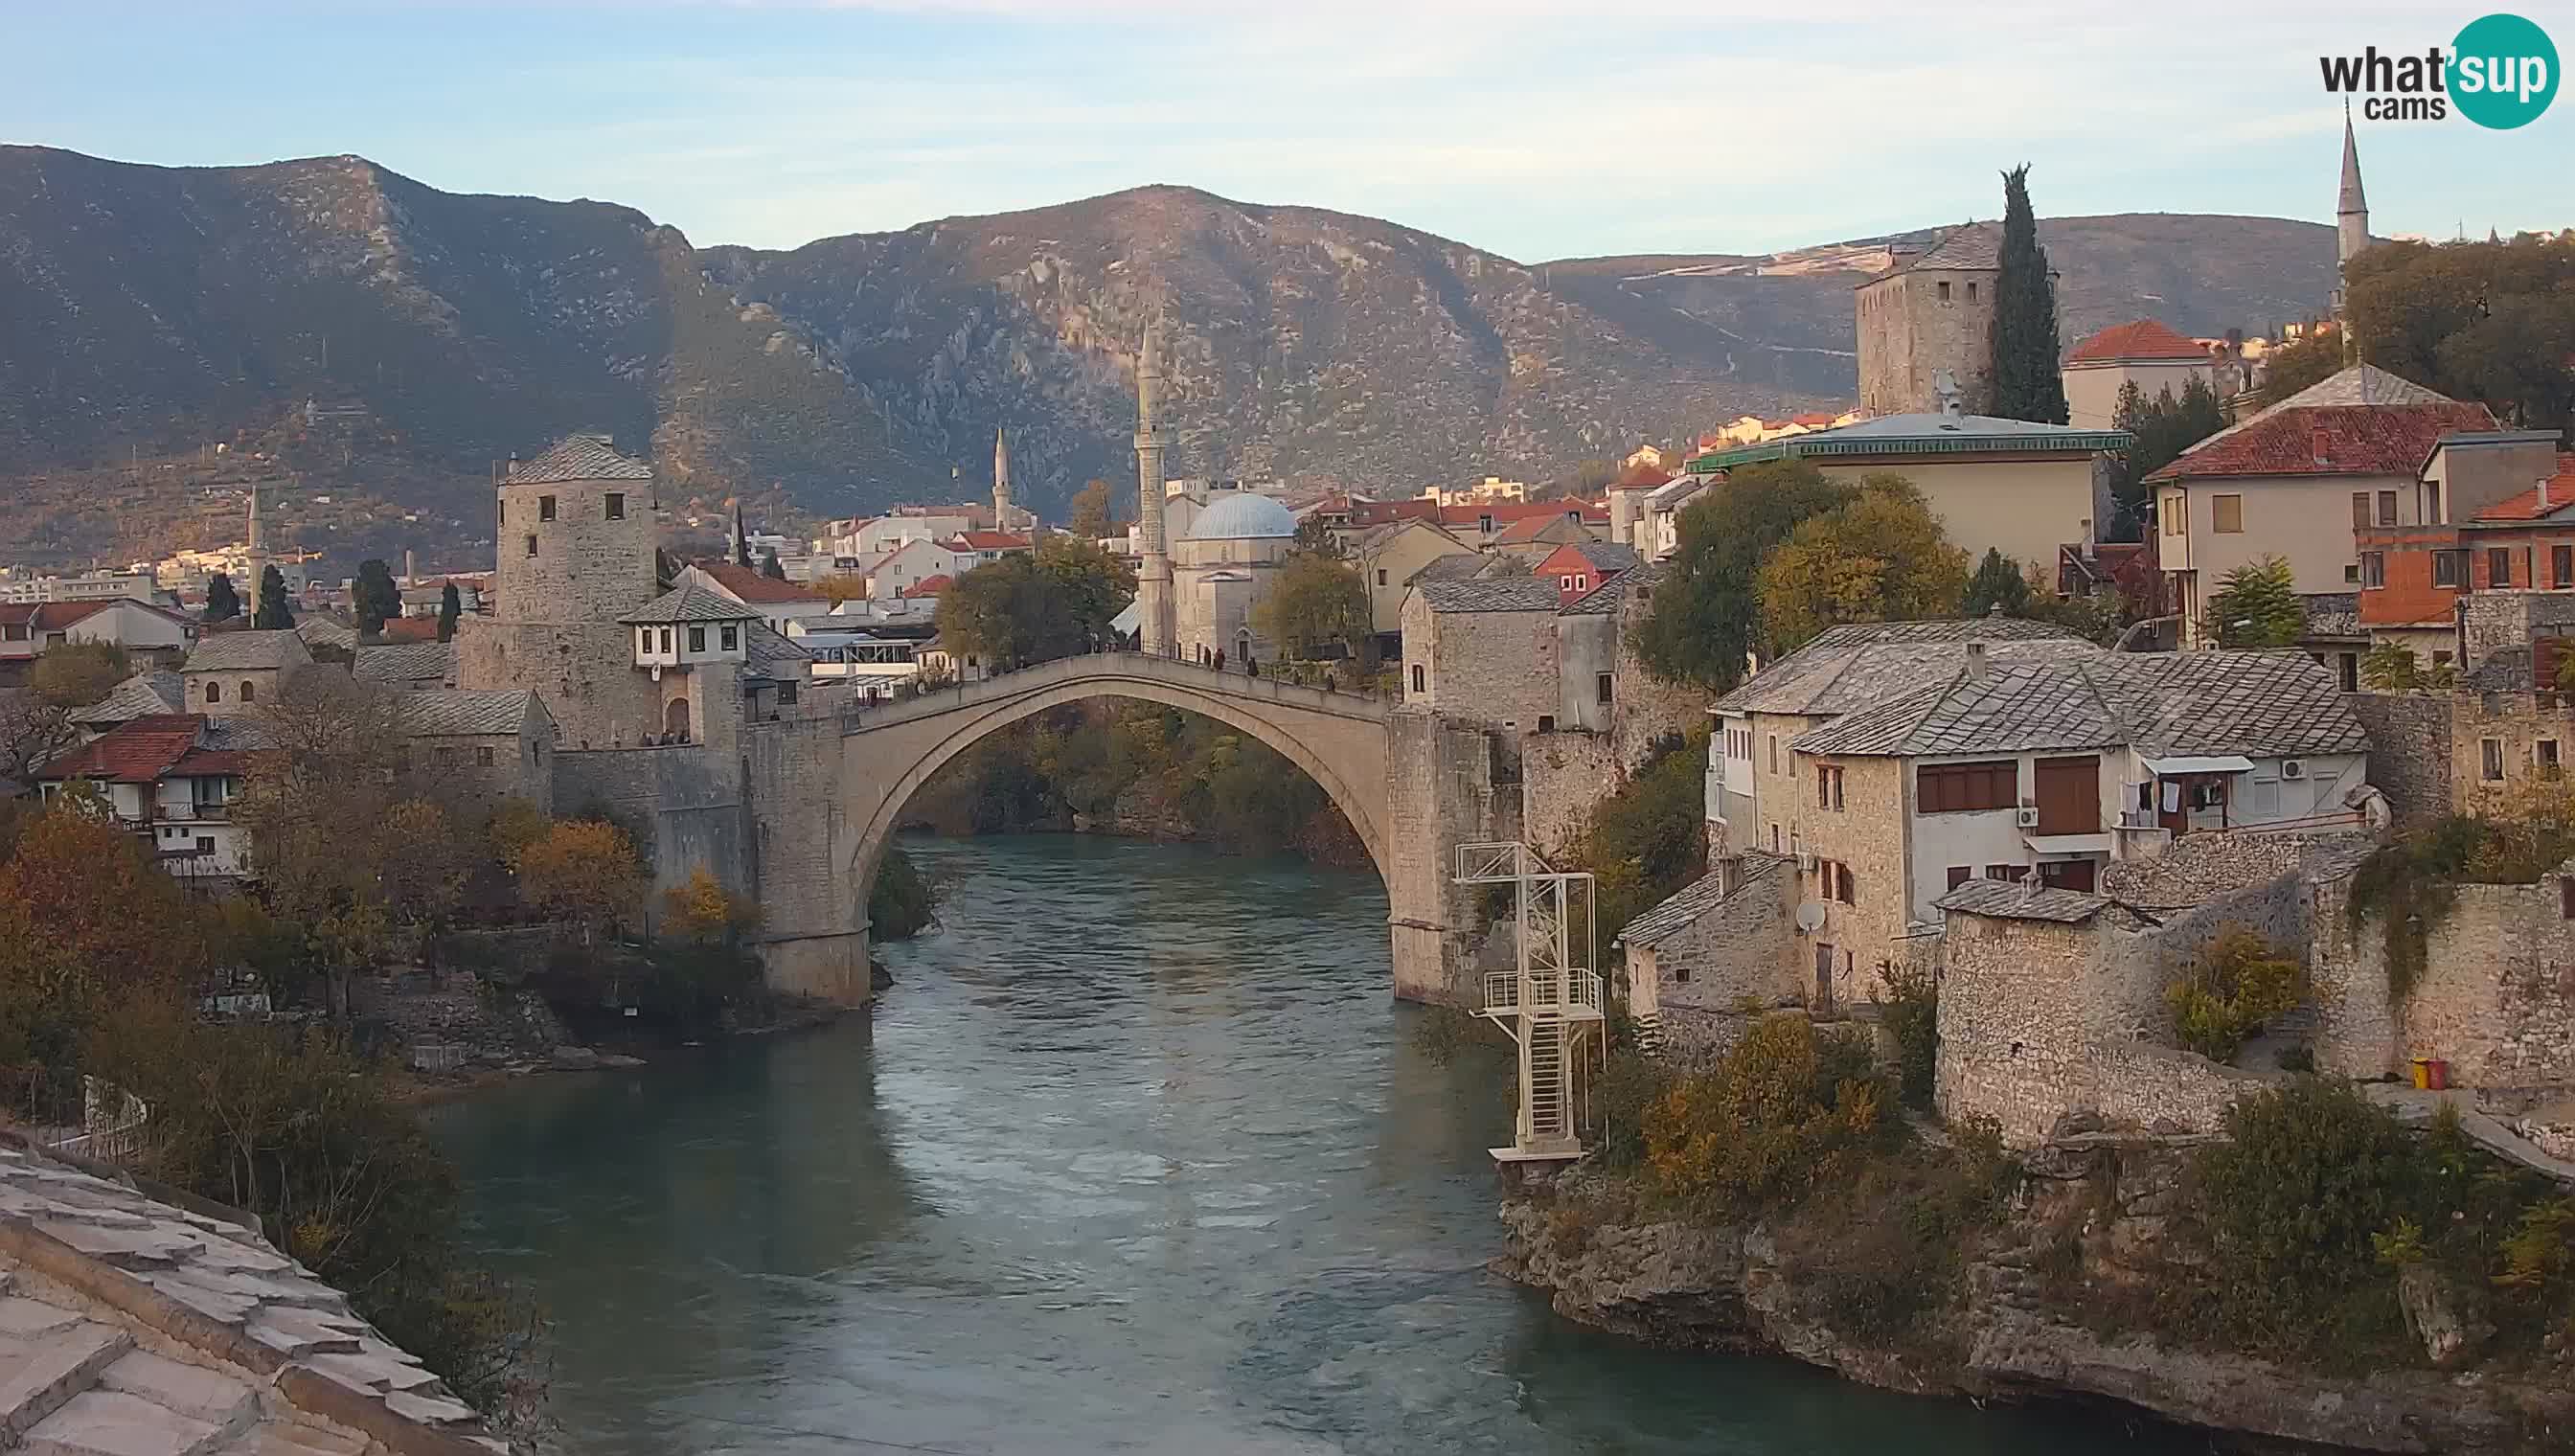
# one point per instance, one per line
(666, 641)
(483, 757)
(448, 755)
(697, 639)
(1381, 575)
(1961, 873)
(249, 691)
(732, 638)
(2566, 898)
(2172, 514)
(2445, 568)
(2360, 510)
(2351, 572)
(786, 695)
(1972, 291)
(532, 545)
(545, 508)
(1565, 583)
(2490, 751)
(2373, 569)
(1417, 679)
(205, 843)
(1829, 785)
(2387, 507)
(1945, 290)
(1582, 583)
(2431, 503)
(2561, 567)
(1960, 787)
(214, 692)
(2004, 872)
(1604, 685)
(2227, 515)
(1485, 523)
(1774, 752)
(2498, 566)
(616, 506)
(643, 638)
(2544, 754)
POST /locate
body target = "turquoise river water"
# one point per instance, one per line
(1138, 1156)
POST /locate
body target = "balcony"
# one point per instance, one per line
(1572, 995)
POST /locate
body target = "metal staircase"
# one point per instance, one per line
(1551, 1002)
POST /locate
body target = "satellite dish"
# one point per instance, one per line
(1810, 917)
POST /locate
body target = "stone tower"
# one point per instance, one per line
(2351, 231)
(1001, 508)
(1154, 569)
(576, 553)
(1932, 311)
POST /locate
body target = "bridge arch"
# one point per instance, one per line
(1338, 740)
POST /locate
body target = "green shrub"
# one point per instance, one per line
(903, 903)
(1910, 1011)
(1785, 1111)
(2238, 985)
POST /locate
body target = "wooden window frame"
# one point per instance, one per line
(1981, 786)
(2219, 508)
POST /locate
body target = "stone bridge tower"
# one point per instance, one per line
(576, 553)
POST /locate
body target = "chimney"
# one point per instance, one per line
(2543, 494)
(411, 568)
(1975, 661)
(2320, 446)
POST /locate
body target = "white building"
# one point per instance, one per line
(170, 780)
(136, 584)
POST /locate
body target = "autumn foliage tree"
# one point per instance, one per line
(1880, 557)
(1706, 619)
(1316, 602)
(584, 871)
(704, 912)
(87, 921)
(312, 802)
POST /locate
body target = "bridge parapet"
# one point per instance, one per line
(1109, 667)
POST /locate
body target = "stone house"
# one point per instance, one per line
(235, 672)
(2024, 489)
(2497, 513)
(472, 749)
(2281, 482)
(1578, 567)
(1387, 557)
(1721, 944)
(1929, 316)
(1483, 648)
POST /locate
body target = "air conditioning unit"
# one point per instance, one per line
(2027, 819)
(2293, 768)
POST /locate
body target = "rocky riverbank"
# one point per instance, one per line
(2046, 1308)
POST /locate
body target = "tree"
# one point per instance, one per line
(1879, 559)
(1997, 586)
(769, 568)
(223, 604)
(1704, 620)
(2293, 366)
(2164, 428)
(377, 599)
(33, 730)
(583, 870)
(1094, 511)
(87, 921)
(1314, 603)
(2257, 606)
(2391, 666)
(78, 673)
(2488, 320)
(2026, 384)
(329, 770)
(273, 614)
(701, 911)
(426, 865)
(741, 538)
(841, 587)
(1315, 536)
(2516, 359)
(1035, 606)
(450, 609)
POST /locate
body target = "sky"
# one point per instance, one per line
(1532, 130)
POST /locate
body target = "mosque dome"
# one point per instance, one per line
(1243, 516)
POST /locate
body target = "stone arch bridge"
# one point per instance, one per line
(824, 792)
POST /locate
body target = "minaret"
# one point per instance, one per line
(1001, 507)
(2351, 231)
(254, 554)
(1154, 571)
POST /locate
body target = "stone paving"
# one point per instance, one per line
(131, 1326)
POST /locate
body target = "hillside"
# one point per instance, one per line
(153, 310)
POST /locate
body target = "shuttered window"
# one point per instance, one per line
(1957, 787)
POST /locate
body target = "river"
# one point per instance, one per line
(1137, 1156)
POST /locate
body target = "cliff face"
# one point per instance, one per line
(2035, 1316)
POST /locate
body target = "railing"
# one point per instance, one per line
(1574, 993)
(101, 1121)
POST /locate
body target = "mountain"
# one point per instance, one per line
(152, 310)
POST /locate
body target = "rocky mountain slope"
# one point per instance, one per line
(155, 308)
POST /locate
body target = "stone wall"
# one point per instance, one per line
(1737, 951)
(1490, 666)
(2409, 749)
(2517, 723)
(2495, 999)
(1907, 333)
(585, 672)
(1650, 709)
(1868, 834)
(684, 803)
(1563, 776)
(1442, 790)
(803, 860)
(2492, 621)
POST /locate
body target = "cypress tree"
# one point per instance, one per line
(2026, 384)
(223, 604)
(273, 615)
(378, 599)
(449, 609)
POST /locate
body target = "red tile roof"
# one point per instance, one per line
(991, 541)
(1812, 421)
(410, 629)
(1506, 513)
(50, 616)
(930, 586)
(1644, 474)
(2539, 501)
(751, 587)
(1535, 527)
(2327, 439)
(2142, 339)
(139, 750)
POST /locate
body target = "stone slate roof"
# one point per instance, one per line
(1462, 567)
(1850, 668)
(1607, 556)
(774, 655)
(319, 630)
(1498, 594)
(140, 696)
(2024, 902)
(2333, 613)
(578, 458)
(1612, 594)
(246, 652)
(688, 602)
(141, 1323)
(2259, 705)
(403, 662)
(1694, 899)
(1977, 245)
(467, 712)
